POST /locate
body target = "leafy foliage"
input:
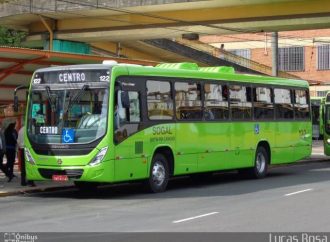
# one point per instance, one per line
(11, 37)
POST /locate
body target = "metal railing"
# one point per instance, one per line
(220, 53)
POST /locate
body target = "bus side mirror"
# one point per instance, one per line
(15, 103)
(16, 97)
(125, 99)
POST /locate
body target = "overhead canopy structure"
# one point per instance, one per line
(105, 23)
(17, 66)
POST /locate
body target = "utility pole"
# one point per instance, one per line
(275, 54)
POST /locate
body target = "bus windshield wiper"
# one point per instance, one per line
(50, 100)
(75, 98)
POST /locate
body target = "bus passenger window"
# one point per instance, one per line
(216, 102)
(240, 102)
(188, 101)
(283, 103)
(263, 103)
(159, 99)
(301, 104)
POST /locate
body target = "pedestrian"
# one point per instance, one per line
(2, 150)
(20, 143)
(11, 142)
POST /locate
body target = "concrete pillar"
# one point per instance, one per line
(274, 54)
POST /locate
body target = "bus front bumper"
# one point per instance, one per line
(100, 173)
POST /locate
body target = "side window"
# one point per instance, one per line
(126, 120)
(263, 103)
(301, 104)
(160, 103)
(240, 102)
(127, 115)
(188, 101)
(283, 103)
(216, 102)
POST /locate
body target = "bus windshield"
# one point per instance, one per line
(67, 113)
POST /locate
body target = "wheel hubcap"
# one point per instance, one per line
(158, 173)
(260, 163)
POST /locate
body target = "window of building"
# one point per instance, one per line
(321, 93)
(216, 102)
(323, 57)
(245, 53)
(263, 103)
(188, 100)
(160, 103)
(240, 102)
(283, 103)
(301, 104)
(291, 59)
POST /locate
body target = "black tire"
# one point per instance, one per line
(261, 162)
(86, 186)
(159, 174)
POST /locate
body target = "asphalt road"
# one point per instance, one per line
(292, 198)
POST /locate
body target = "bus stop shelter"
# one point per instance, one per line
(18, 64)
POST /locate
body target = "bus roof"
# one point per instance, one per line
(187, 70)
(215, 74)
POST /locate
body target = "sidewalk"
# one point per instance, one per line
(14, 187)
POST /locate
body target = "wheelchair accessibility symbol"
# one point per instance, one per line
(256, 128)
(67, 135)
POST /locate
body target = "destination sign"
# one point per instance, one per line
(48, 130)
(71, 76)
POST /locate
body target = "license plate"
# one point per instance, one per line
(60, 178)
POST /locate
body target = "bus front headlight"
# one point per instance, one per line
(99, 157)
(29, 157)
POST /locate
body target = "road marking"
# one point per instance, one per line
(294, 193)
(191, 218)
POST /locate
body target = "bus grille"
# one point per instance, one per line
(73, 173)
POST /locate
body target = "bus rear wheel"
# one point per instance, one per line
(260, 164)
(159, 174)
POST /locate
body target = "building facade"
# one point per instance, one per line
(305, 54)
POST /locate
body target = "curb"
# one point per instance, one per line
(34, 190)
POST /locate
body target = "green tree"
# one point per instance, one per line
(11, 37)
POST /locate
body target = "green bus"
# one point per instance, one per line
(317, 106)
(326, 128)
(109, 123)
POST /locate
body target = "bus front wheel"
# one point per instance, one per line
(159, 174)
